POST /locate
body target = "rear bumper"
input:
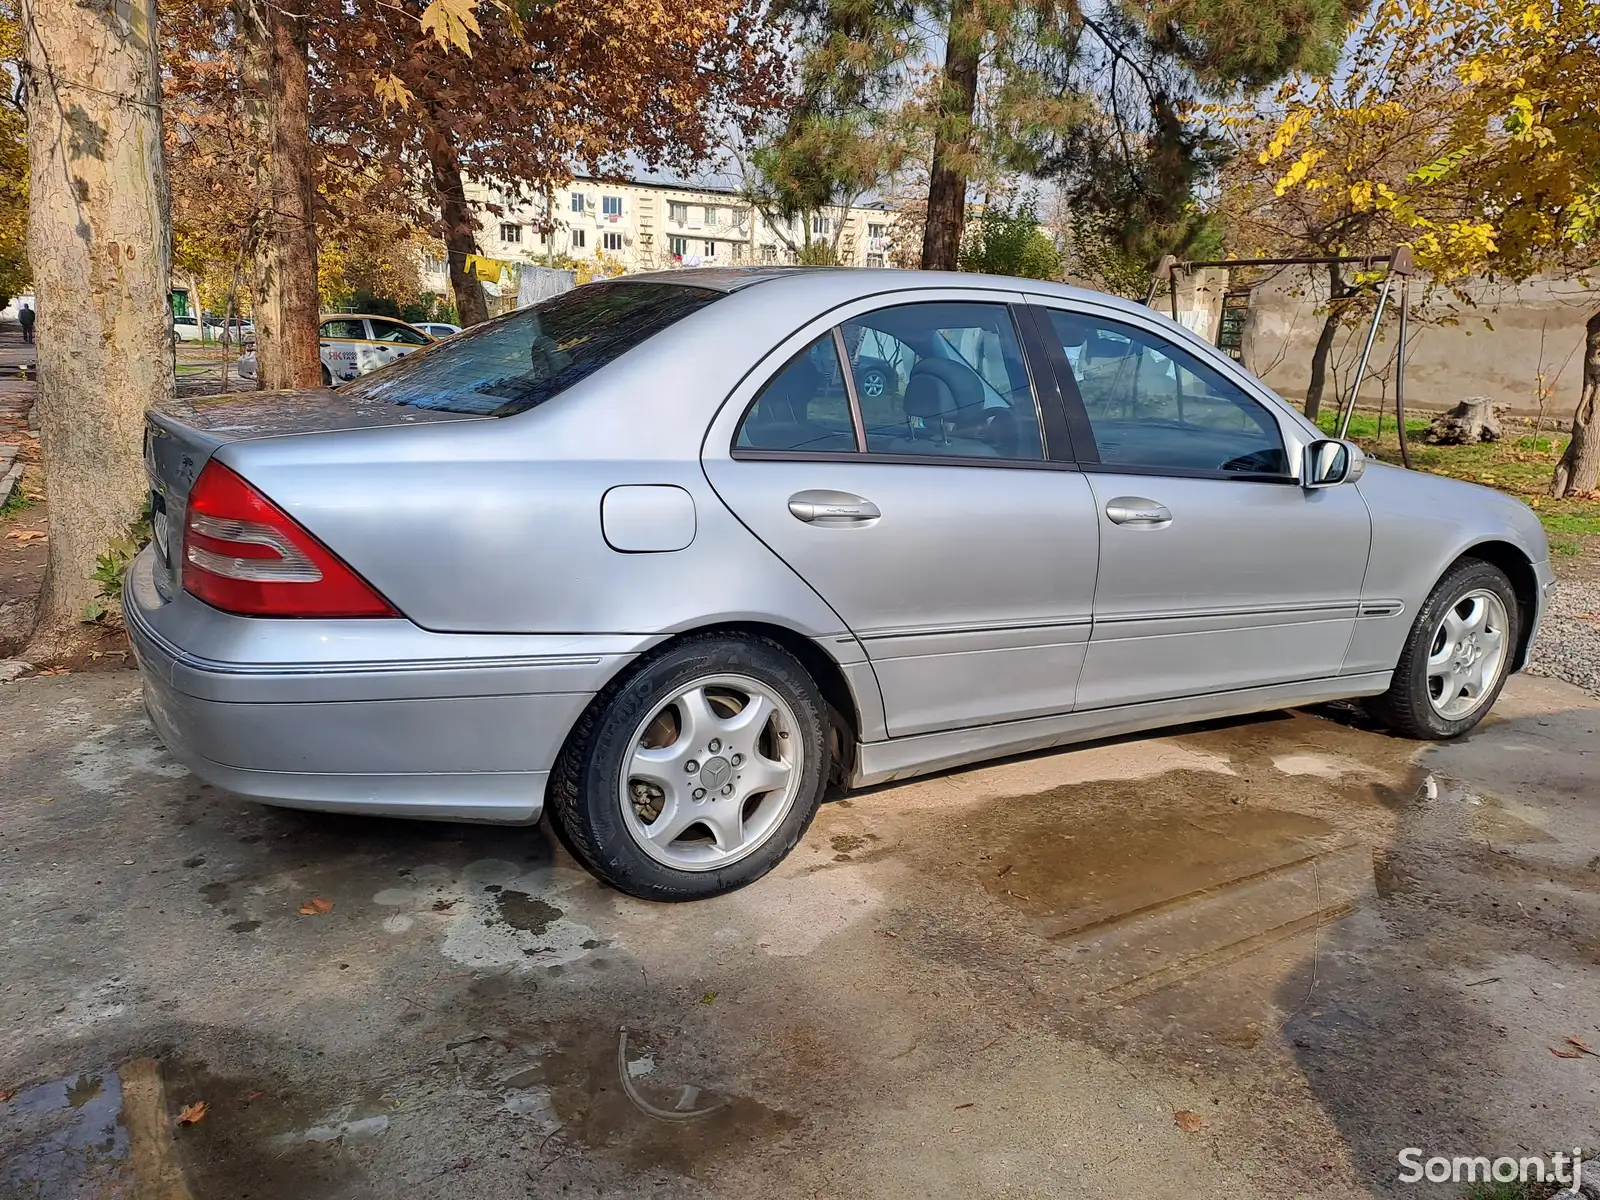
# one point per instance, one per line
(365, 716)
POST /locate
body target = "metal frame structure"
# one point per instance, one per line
(1399, 263)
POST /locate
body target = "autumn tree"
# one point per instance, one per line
(13, 167)
(549, 89)
(1319, 169)
(100, 250)
(1508, 181)
(276, 92)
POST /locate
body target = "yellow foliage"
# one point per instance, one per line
(1301, 168)
(1462, 126)
(451, 23)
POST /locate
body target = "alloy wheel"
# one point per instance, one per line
(1467, 654)
(711, 773)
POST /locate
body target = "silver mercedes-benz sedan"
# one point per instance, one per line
(653, 555)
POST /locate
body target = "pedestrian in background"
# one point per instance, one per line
(26, 316)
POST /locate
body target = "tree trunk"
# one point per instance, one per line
(1579, 468)
(100, 243)
(460, 230)
(1319, 356)
(277, 103)
(947, 176)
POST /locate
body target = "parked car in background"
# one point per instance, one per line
(643, 555)
(353, 344)
(437, 329)
(187, 328)
(237, 331)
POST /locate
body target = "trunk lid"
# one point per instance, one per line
(182, 435)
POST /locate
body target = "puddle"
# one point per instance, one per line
(65, 1139)
(604, 1102)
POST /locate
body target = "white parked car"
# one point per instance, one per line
(437, 329)
(187, 329)
(353, 344)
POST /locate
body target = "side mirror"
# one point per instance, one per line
(1329, 462)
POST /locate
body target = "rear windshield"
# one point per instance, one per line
(515, 362)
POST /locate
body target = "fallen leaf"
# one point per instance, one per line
(1587, 1049)
(1559, 1053)
(192, 1114)
(6, 1094)
(890, 933)
(957, 1128)
(252, 1097)
(708, 998)
(55, 671)
(1189, 1122)
(25, 536)
(316, 907)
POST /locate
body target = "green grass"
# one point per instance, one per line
(1520, 466)
(15, 503)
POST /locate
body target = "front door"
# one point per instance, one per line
(926, 511)
(1217, 570)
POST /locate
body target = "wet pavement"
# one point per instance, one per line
(1256, 958)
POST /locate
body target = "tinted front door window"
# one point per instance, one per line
(393, 331)
(1153, 404)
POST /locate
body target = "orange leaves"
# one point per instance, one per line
(315, 907)
(1189, 1122)
(451, 23)
(193, 1114)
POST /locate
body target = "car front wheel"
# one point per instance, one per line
(1457, 656)
(697, 773)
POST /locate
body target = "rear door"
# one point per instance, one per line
(1217, 570)
(939, 516)
(345, 350)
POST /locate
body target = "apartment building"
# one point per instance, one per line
(651, 226)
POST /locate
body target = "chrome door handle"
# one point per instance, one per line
(1136, 510)
(824, 507)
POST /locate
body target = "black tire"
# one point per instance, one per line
(585, 787)
(1406, 707)
(327, 376)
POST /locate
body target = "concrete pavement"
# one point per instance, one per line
(1250, 959)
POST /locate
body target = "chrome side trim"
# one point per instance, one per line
(902, 758)
(212, 666)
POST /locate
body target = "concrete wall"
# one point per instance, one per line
(1495, 346)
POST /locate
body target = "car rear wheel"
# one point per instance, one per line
(1457, 656)
(697, 773)
(327, 376)
(874, 382)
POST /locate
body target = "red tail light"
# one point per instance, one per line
(244, 554)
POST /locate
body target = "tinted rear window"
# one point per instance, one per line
(515, 362)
